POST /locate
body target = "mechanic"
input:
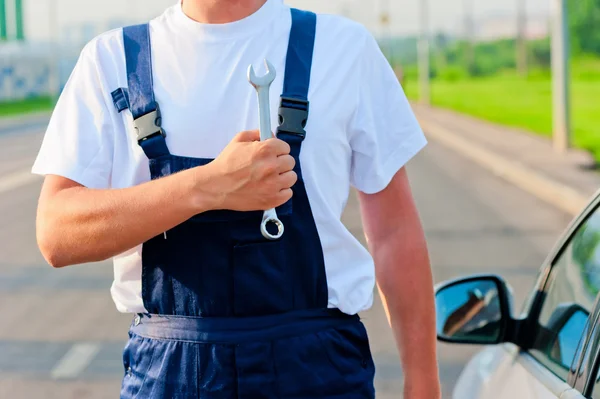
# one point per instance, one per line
(144, 163)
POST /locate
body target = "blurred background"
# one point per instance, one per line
(504, 89)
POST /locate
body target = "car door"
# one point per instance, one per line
(558, 328)
(586, 374)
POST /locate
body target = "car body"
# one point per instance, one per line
(550, 350)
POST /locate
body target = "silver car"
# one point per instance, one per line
(550, 350)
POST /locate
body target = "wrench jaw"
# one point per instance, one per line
(265, 80)
(268, 218)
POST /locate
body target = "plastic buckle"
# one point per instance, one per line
(293, 115)
(149, 125)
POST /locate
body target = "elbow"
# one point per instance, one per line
(55, 231)
(398, 259)
(55, 262)
(51, 253)
(387, 264)
(49, 245)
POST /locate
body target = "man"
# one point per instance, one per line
(144, 164)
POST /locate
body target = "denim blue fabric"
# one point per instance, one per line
(329, 363)
(229, 330)
(231, 314)
(300, 54)
(138, 57)
(139, 95)
(120, 99)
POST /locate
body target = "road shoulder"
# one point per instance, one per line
(566, 181)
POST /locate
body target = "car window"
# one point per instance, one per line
(573, 286)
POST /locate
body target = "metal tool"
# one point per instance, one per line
(262, 84)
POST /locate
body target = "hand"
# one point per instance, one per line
(250, 175)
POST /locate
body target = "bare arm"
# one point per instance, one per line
(78, 225)
(397, 242)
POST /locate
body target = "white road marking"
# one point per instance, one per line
(75, 361)
(16, 180)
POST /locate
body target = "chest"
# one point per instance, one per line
(206, 99)
(202, 113)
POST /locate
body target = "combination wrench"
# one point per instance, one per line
(262, 84)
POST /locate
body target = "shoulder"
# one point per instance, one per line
(343, 46)
(106, 45)
(107, 49)
(102, 59)
(343, 37)
(333, 27)
(341, 27)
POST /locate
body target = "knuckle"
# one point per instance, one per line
(264, 149)
(278, 143)
(272, 144)
(270, 168)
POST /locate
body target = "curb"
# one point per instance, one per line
(561, 196)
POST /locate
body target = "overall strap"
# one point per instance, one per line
(293, 111)
(139, 96)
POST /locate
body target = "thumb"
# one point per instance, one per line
(247, 136)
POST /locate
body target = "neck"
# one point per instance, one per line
(220, 11)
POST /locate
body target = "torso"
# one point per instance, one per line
(205, 103)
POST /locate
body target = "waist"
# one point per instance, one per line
(238, 329)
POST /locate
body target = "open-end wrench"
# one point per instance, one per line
(262, 84)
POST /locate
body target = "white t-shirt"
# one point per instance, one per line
(361, 129)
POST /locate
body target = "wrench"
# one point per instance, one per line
(262, 84)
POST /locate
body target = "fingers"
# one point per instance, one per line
(285, 163)
(247, 136)
(277, 147)
(284, 196)
(287, 180)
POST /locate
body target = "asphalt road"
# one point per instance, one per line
(60, 336)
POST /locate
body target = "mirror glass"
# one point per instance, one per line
(469, 312)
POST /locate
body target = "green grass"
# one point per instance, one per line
(26, 106)
(522, 103)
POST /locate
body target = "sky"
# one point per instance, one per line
(446, 15)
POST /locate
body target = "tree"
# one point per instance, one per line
(584, 24)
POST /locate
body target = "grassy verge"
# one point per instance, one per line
(522, 103)
(26, 106)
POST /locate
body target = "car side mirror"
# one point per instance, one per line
(473, 310)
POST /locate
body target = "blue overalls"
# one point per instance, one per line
(230, 314)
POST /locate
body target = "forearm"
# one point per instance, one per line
(78, 225)
(406, 284)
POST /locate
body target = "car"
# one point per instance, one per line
(552, 348)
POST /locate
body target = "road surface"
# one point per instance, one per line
(60, 336)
